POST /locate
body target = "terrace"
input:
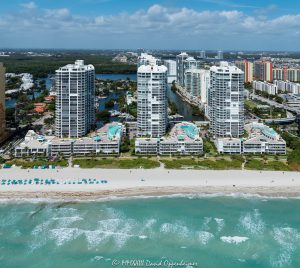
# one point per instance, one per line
(183, 132)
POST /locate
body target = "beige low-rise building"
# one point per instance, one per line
(261, 140)
(183, 139)
(229, 145)
(106, 140)
(147, 146)
(34, 145)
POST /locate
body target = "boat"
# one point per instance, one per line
(114, 113)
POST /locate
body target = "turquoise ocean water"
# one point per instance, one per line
(206, 232)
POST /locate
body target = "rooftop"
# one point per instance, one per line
(226, 67)
(190, 59)
(152, 69)
(183, 54)
(259, 132)
(77, 66)
(108, 133)
(184, 131)
(34, 140)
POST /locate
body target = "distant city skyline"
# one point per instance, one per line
(168, 24)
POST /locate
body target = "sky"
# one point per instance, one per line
(263, 25)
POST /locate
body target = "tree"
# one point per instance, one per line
(103, 115)
(248, 85)
(49, 121)
(278, 99)
(132, 109)
(173, 87)
(125, 146)
(110, 104)
(173, 107)
(51, 106)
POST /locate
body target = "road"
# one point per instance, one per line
(274, 103)
(11, 145)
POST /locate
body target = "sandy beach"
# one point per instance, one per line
(153, 182)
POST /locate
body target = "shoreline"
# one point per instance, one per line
(124, 183)
(135, 193)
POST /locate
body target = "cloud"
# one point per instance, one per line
(59, 14)
(29, 5)
(154, 26)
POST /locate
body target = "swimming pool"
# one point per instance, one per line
(190, 130)
(113, 131)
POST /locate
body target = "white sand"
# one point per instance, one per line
(124, 182)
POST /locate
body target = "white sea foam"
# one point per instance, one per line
(234, 239)
(288, 239)
(252, 222)
(64, 235)
(148, 224)
(204, 237)
(143, 236)
(220, 194)
(220, 224)
(283, 259)
(66, 221)
(96, 238)
(38, 237)
(124, 233)
(55, 228)
(42, 228)
(176, 228)
(146, 227)
(97, 258)
(109, 224)
(117, 230)
(117, 198)
(206, 222)
(99, 237)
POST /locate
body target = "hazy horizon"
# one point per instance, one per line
(30, 49)
(169, 24)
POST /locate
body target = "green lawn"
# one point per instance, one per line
(220, 164)
(255, 164)
(209, 147)
(251, 104)
(224, 163)
(117, 163)
(30, 164)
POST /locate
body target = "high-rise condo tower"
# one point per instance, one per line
(226, 101)
(152, 100)
(75, 99)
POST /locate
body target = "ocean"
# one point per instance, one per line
(176, 231)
